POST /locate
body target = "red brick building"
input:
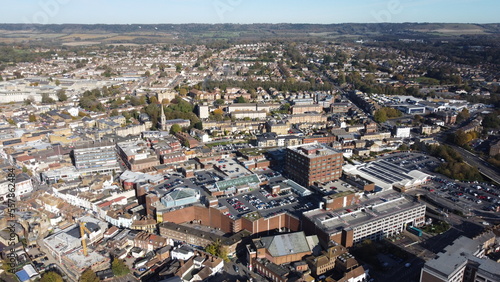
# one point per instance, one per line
(311, 163)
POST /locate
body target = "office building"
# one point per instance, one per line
(306, 164)
(372, 219)
(96, 157)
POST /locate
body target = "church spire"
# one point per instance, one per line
(163, 119)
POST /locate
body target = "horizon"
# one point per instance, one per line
(256, 23)
(245, 12)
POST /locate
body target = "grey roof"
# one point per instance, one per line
(454, 256)
(286, 244)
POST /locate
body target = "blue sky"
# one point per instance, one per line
(248, 11)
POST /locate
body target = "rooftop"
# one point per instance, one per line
(367, 211)
(286, 244)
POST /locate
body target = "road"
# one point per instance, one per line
(481, 164)
(472, 159)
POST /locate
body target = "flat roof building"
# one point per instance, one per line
(374, 218)
(461, 261)
(96, 157)
(310, 163)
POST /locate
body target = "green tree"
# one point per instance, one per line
(119, 268)
(51, 276)
(28, 101)
(403, 147)
(89, 276)
(198, 125)
(6, 266)
(46, 99)
(183, 92)
(135, 101)
(219, 102)
(241, 100)
(491, 121)
(61, 95)
(178, 67)
(114, 113)
(147, 74)
(32, 118)
(57, 82)
(463, 115)
(380, 116)
(175, 129)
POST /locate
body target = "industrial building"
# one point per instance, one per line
(387, 175)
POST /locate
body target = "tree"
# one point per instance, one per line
(461, 138)
(219, 102)
(51, 276)
(175, 129)
(57, 82)
(119, 268)
(89, 276)
(183, 92)
(1, 78)
(217, 249)
(28, 101)
(147, 74)
(491, 121)
(114, 113)
(135, 101)
(178, 67)
(165, 101)
(241, 100)
(403, 147)
(61, 95)
(46, 99)
(153, 100)
(463, 115)
(218, 112)
(32, 118)
(380, 116)
(199, 125)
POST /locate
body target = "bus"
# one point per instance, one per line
(415, 231)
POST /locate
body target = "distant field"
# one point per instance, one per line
(81, 43)
(84, 36)
(452, 29)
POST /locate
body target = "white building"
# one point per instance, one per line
(183, 252)
(401, 132)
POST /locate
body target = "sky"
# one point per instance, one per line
(247, 11)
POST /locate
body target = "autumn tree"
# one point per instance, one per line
(217, 249)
